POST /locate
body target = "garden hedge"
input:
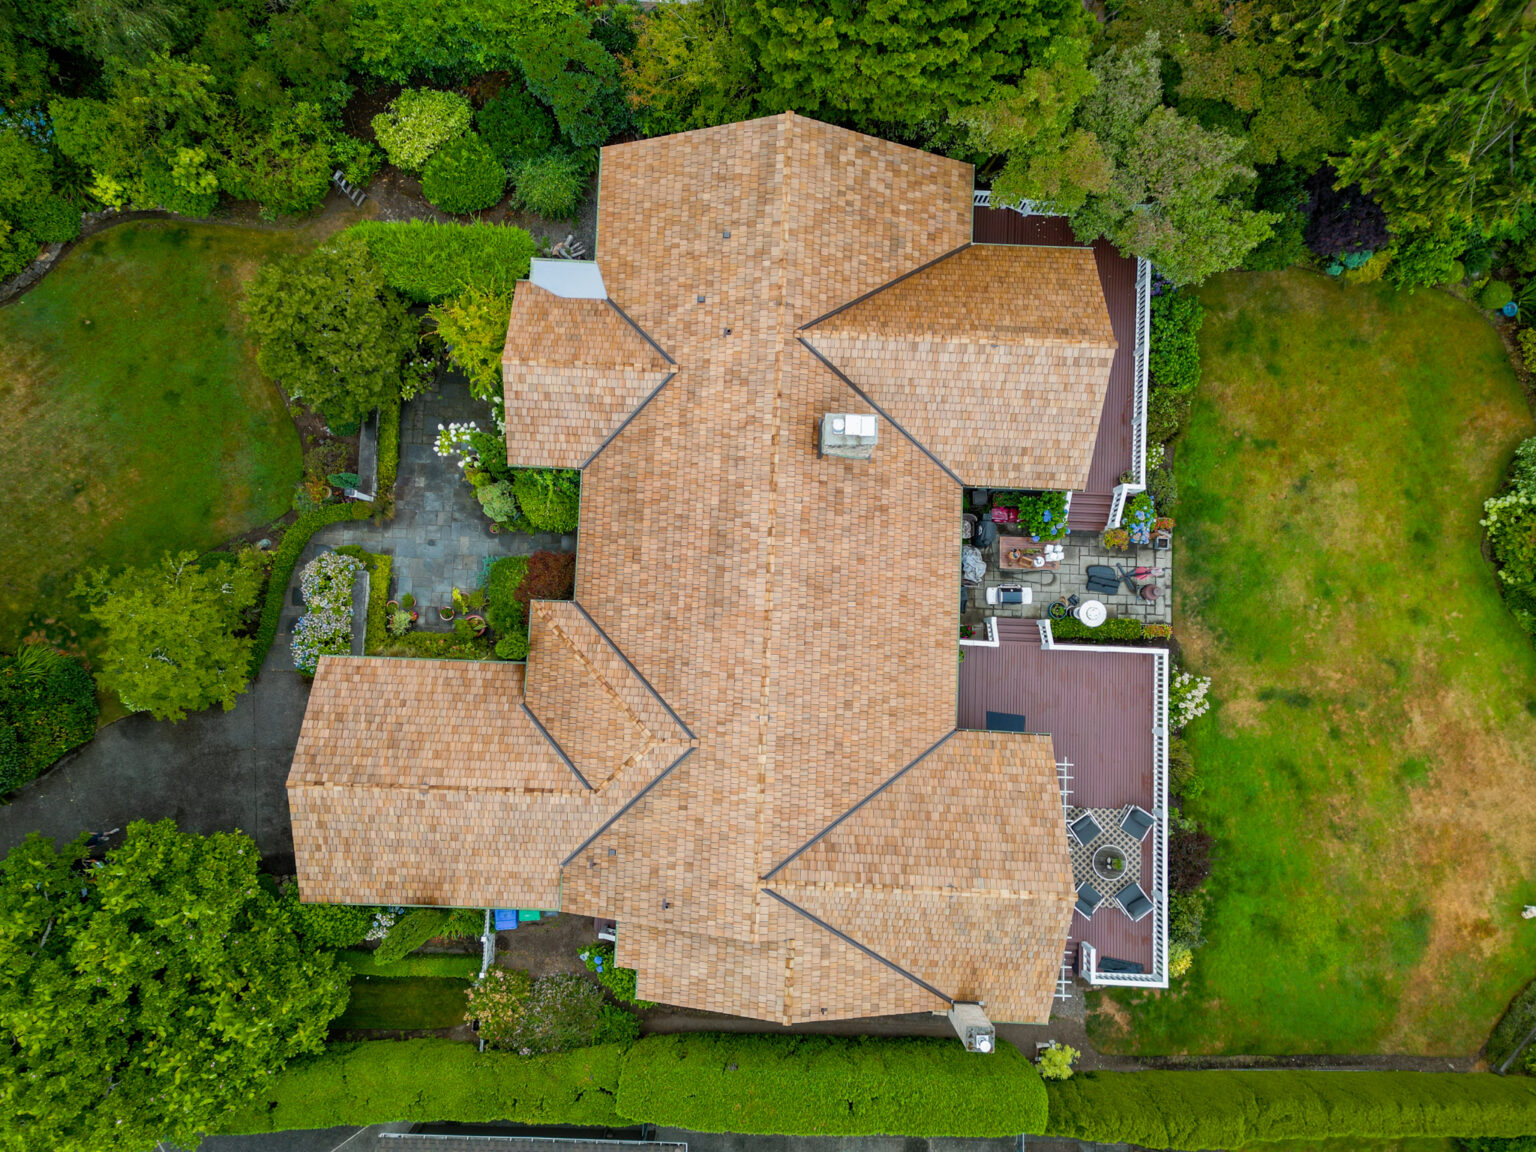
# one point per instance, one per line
(380, 569)
(829, 1086)
(384, 1081)
(283, 562)
(428, 262)
(1220, 1109)
(389, 458)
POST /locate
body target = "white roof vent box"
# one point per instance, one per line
(849, 435)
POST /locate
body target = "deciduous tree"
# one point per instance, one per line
(473, 325)
(171, 644)
(144, 997)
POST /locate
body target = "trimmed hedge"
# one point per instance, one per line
(1221, 1109)
(283, 562)
(389, 457)
(380, 567)
(366, 963)
(830, 1086)
(428, 262)
(1118, 630)
(386, 1081)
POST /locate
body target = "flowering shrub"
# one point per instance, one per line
(1187, 698)
(1043, 515)
(1181, 957)
(383, 920)
(325, 629)
(619, 981)
(1511, 523)
(1156, 631)
(1117, 538)
(496, 1003)
(565, 1011)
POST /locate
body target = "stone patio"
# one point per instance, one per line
(1082, 549)
(439, 537)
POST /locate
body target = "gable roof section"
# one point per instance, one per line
(572, 371)
(956, 871)
(996, 359)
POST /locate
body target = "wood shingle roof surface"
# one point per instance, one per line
(761, 640)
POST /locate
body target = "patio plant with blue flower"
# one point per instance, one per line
(325, 629)
(1043, 514)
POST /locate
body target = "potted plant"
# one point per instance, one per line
(391, 606)
(477, 623)
(446, 612)
(1118, 539)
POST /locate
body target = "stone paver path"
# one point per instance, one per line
(439, 537)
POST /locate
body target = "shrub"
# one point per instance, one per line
(417, 123)
(504, 611)
(1187, 698)
(463, 176)
(1163, 488)
(328, 925)
(1173, 361)
(47, 707)
(1189, 859)
(1043, 515)
(1056, 1061)
(497, 501)
(616, 1026)
(550, 576)
(428, 262)
(429, 1080)
(830, 1086)
(1222, 1109)
(1156, 631)
(1513, 1027)
(1182, 780)
(379, 568)
(419, 925)
(1511, 523)
(549, 185)
(1497, 1144)
(389, 456)
(1166, 413)
(563, 1011)
(1527, 341)
(440, 966)
(1495, 295)
(549, 497)
(1181, 958)
(283, 562)
(620, 982)
(516, 125)
(1186, 917)
(53, 219)
(513, 646)
(1342, 219)
(325, 629)
(1426, 259)
(1114, 631)
(496, 1003)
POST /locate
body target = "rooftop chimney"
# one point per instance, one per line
(850, 436)
(972, 1026)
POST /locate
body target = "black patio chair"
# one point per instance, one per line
(1085, 829)
(1136, 821)
(1134, 902)
(1088, 899)
(1103, 580)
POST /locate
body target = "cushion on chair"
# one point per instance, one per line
(1088, 899)
(1137, 821)
(1085, 828)
(1133, 902)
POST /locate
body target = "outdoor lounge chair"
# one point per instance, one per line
(1103, 580)
(1085, 829)
(1088, 899)
(1136, 821)
(1133, 902)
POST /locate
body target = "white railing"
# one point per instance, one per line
(487, 945)
(1138, 482)
(982, 198)
(1047, 637)
(990, 641)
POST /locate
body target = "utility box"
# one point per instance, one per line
(972, 1026)
(849, 435)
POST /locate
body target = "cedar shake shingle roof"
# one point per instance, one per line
(762, 644)
(996, 359)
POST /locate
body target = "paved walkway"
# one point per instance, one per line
(1081, 549)
(439, 537)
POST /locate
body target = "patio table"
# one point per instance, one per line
(1016, 552)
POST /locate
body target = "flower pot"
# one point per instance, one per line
(495, 528)
(446, 613)
(415, 615)
(477, 623)
(392, 606)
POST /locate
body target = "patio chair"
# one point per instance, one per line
(1103, 580)
(1133, 902)
(1088, 899)
(1136, 821)
(1085, 829)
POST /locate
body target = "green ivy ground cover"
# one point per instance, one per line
(136, 420)
(1367, 761)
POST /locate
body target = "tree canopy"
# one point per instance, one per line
(144, 996)
(171, 632)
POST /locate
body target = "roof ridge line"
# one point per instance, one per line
(883, 287)
(832, 826)
(864, 396)
(870, 952)
(633, 800)
(660, 699)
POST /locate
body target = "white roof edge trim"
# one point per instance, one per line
(572, 279)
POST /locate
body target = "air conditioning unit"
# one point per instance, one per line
(972, 1026)
(849, 435)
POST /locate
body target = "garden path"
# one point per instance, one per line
(439, 537)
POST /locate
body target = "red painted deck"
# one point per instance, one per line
(1117, 275)
(1098, 709)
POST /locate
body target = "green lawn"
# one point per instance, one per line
(135, 420)
(1371, 759)
(410, 1002)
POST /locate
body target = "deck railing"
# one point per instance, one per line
(987, 641)
(982, 198)
(1047, 637)
(1138, 483)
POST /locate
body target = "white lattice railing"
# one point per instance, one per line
(1047, 637)
(982, 198)
(1138, 483)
